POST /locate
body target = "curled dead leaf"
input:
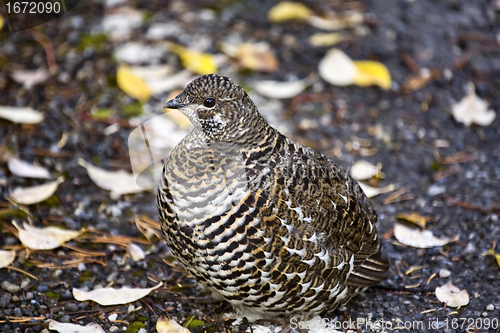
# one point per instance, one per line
(276, 89)
(74, 328)
(472, 109)
(288, 11)
(35, 194)
(414, 218)
(118, 182)
(132, 84)
(371, 191)
(362, 170)
(21, 115)
(111, 296)
(452, 296)
(7, 258)
(165, 325)
(337, 68)
(415, 237)
(198, 62)
(24, 169)
(46, 238)
(372, 73)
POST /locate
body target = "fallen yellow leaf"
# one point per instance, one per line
(287, 11)
(1, 23)
(413, 218)
(131, 84)
(493, 253)
(198, 62)
(372, 72)
(327, 39)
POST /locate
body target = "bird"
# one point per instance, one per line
(269, 225)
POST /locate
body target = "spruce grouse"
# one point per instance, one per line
(267, 224)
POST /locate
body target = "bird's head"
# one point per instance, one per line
(219, 107)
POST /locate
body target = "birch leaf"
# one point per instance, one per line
(472, 110)
(165, 325)
(198, 62)
(414, 218)
(452, 296)
(74, 328)
(362, 170)
(132, 84)
(21, 115)
(24, 169)
(136, 252)
(119, 182)
(47, 238)
(415, 237)
(288, 11)
(337, 68)
(35, 194)
(111, 296)
(7, 258)
(276, 89)
(371, 191)
(372, 73)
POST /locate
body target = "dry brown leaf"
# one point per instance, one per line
(417, 81)
(452, 296)
(414, 218)
(362, 170)
(118, 182)
(414, 237)
(7, 258)
(35, 194)
(165, 325)
(44, 238)
(257, 57)
(111, 296)
(21, 115)
(24, 169)
(74, 328)
(472, 110)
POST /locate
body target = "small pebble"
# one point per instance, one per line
(42, 289)
(113, 328)
(10, 287)
(29, 296)
(18, 312)
(490, 307)
(71, 307)
(65, 319)
(112, 317)
(4, 300)
(444, 273)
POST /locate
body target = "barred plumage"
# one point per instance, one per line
(267, 224)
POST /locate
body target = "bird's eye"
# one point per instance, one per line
(209, 102)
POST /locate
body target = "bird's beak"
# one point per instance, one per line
(173, 104)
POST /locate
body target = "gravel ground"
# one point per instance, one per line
(396, 128)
